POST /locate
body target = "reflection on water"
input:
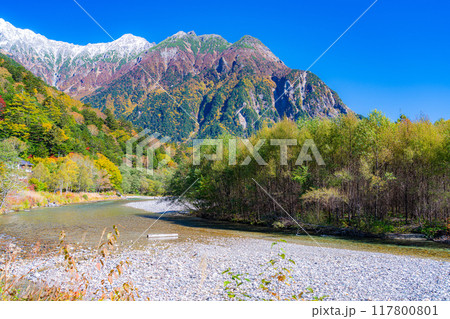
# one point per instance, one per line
(84, 223)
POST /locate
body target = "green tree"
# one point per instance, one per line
(41, 173)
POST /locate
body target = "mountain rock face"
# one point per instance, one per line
(185, 84)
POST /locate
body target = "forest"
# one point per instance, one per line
(379, 176)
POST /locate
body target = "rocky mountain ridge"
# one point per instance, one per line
(185, 84)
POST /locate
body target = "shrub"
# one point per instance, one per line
(276, 281)
(38, 186)
(10, 286)
(433, 229)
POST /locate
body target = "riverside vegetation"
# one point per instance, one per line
(380, 176)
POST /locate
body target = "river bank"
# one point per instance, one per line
(288, 226)
(26, 200)
(161, 205)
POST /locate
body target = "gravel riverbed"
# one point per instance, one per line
(161, 205)
(191, 269)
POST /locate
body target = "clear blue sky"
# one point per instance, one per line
(395, 59)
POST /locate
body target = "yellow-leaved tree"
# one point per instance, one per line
(115, 177)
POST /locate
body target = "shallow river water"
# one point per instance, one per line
(84, 224)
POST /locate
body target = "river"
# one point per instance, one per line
(84, 224)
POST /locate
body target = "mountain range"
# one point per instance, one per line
(184, 85)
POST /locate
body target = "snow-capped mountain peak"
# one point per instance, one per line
(54, 60)
(11, 36)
